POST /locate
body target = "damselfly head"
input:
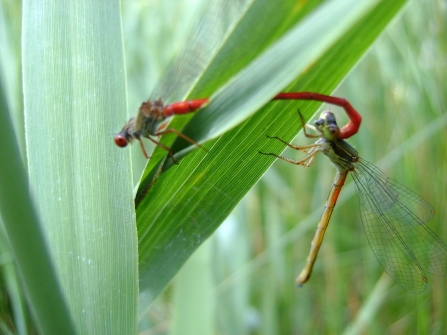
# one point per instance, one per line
(126, 135)
(327, 125)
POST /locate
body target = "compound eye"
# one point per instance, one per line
(319, 123)
(121, 140)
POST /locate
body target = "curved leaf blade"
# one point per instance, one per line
(189, 201)
(74, 90)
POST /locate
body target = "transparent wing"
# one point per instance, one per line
(394, 220)
(217, 20)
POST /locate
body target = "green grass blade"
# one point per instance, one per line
(22, 227)
(236, 50)
(290, 56)
(189, 201)
(74, 89)
(398, 88)
(196, 275)
(370, 307)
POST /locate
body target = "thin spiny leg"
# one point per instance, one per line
(308, 126)
(302, 161)
(311, 160)
(296, 147)
(142, 147)
(161, 145)
(186, 138)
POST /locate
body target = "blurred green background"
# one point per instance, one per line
(241, 281)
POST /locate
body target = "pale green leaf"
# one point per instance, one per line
(74, 89)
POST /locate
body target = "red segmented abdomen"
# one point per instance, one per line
(183, 107)
(355, 118)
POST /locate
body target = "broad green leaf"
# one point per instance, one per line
(74, 88)
(21, 225)
(188, 201)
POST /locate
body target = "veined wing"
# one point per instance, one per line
(394, 219)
